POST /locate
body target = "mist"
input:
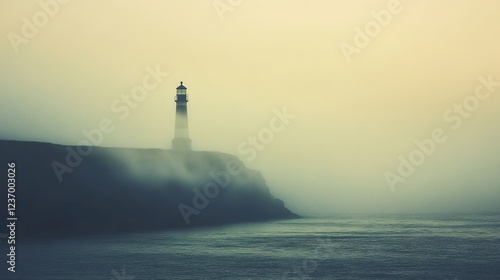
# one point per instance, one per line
(270, 83)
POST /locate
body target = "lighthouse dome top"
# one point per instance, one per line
(181, 86)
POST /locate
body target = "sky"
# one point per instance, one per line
(362, 106)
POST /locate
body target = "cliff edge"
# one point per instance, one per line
(72, 190)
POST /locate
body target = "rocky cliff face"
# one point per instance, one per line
(69, 190)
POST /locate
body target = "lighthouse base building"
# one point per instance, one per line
(181, 144)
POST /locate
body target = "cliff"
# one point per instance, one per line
(70, 190)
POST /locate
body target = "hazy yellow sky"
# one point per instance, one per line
(242, 59)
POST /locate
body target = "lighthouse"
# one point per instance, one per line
(181, 141)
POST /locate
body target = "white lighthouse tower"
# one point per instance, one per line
(181, 141)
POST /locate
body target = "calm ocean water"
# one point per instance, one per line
(443, 247)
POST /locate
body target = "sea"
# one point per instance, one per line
(354, 247)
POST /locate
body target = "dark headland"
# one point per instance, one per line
(113, 190)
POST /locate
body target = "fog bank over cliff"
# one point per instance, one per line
(70, 190)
